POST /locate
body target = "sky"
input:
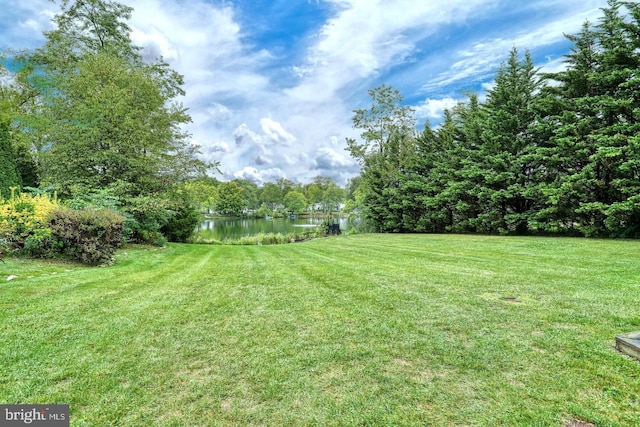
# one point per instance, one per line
(271, 85)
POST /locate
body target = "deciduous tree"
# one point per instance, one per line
(386, 141)
(294, 201)
(230, 199)
(271, 196)
(104, 117)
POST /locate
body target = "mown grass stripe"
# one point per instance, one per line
(357, 330)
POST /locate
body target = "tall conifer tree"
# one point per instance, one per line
(507, 146)
(597, 146)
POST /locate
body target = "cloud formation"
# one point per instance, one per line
(434, 108)
(271, 91)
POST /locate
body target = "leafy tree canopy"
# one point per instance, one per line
(100, 116)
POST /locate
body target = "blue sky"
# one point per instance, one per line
(271, 85)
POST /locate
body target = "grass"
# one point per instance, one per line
(364, 330)
(261, 239)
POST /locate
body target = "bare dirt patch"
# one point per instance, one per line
(578, 423)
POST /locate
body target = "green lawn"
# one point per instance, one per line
(368, 330)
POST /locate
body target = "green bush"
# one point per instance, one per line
(181, 223)
(88, 235)
(6, 248)
(263, 239)
(42, 244)
(145, 216)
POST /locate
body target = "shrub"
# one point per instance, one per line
(262, 239)
(88, 235)
(24, 215)
(5, 248)
(181, 223)
(271, 239)
(42, 244)
(145, 216)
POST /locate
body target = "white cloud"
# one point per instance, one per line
(250, 173)
(258, 176)
(31, 25)
(434, 108)
(262, 158)
(263, 119)
(272, 133)
(203, 41)
(24, 22)
(155, 43)
(481, 60)
(218, 112)
(487, 86)
(329, 159)
(216, 148)
(367, 36)
(275, 132)
(243, 136)
(554, 65)
(273, 174)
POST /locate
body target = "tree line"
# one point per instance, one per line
(244, 197)
(549, 153)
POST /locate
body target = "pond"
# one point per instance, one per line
(236, 228)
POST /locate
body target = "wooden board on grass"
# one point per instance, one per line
(629, 344)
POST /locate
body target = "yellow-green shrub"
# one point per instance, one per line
(22, 215)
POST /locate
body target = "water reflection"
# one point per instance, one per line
(236, 228)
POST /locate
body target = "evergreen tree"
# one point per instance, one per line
(567, 120)
(536, 157)
(388, 135)
(433, 166)
(382, 196)
(508, 148)
(9, 176)
(468, 173)
(615, 164)
(419, 215)
(597, 141)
